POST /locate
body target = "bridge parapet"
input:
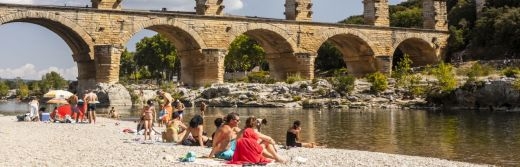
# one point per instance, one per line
(107, 4)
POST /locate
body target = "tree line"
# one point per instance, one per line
(24, 89)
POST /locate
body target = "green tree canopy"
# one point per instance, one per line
(52, 80)
(157, 56)
(244, 54)
(4, 89)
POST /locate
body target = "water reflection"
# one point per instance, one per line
(492, 138)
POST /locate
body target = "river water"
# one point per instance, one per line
(478, 137)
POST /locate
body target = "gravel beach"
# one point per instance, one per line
(104, 144)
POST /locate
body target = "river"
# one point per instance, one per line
(478, 137)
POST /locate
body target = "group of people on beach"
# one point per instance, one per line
(79, 108)
(245, 145)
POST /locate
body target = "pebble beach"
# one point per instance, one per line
(105, 144)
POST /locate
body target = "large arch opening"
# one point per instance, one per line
(38, 46)
(356, 54)
(419, 51)
(163, 53)
(277, 55)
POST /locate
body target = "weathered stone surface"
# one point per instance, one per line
(113, 95)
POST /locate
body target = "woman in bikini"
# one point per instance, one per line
(147, 116)
(196, 130)
(175, 130)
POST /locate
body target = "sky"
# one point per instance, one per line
(28, 50)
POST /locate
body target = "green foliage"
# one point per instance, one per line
(244, 54)
(297, 98)
(511, 72)
(329, 58)
(409, 17)
(379, 82)
(402, 71)
(157, 57)
(478, 70)
(52, 80)
(516, 84)
(414, 87)
(292, 78)
(23, 90)
(343, 84)
(260, 77)
(356, 19)
(128, 66)
(502, 3)
(4, 89)
(445, 77)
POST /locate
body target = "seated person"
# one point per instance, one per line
(218, 122)
(267, 143)
(293, 135)
(248, 151)
(113, 113)
(224, 142)
(175, 129)
(196, 130)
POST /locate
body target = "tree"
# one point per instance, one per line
(410, 17)
(128, 65)
(403, 71)
(445, 77)
(23, 90)
(157, 56)
(329, 58)
(244, 54)
(52, 80)
(4, 89)
(356, 19)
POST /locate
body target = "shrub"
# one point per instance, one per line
(445, 77)
(511, 72)
(516, 84)
(379, 82)
(259, 77)
(291, 78)
(478, 70)
(297, 98)
(403, 71)
(343, 84)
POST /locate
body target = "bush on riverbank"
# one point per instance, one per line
(379, 82)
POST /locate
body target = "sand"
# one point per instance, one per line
(104, 144)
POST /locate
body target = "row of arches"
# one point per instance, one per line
(358, 52)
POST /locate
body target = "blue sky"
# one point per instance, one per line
(29, 51)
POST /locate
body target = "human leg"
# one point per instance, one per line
(270, 152)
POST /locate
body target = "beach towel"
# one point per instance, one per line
(248, 151)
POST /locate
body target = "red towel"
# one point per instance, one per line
(248, 150)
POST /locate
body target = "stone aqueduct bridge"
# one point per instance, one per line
(97, 34)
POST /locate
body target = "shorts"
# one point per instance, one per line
(91, 107)
(228, 154)
(75, 108)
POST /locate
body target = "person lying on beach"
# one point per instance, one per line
(224, 142)
(175, 129)
(196, 129)
(267, 143)
(293, 135)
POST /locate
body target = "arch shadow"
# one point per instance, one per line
(419, 51)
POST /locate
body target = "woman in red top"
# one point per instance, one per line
(248, 151)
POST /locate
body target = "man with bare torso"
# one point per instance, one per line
(224, 142)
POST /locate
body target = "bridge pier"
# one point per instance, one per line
(201, 67)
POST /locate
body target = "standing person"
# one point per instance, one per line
(147, 115)
(91, 99)
(33, 114)
(73, 101)
(166, 106)
(224, 143)
(203, 107)
(82, 106)
(179, 107)
(293, 135)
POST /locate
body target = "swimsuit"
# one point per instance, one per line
(228, 154)
(290, 140)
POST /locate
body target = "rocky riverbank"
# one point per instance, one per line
(104, 144)
(302, 94)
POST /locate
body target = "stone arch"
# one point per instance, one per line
(421, 52)
(182, 35)
(261, 32)
(80, 42)
(358, 52)
(277, 44)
